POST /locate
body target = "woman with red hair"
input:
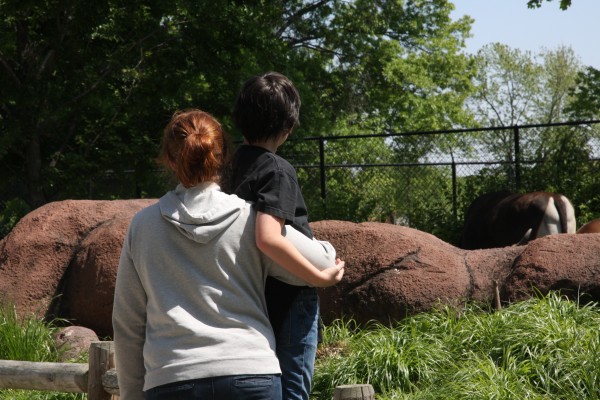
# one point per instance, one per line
(189, 316)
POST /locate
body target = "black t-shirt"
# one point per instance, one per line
(270, 182)
(262, 177)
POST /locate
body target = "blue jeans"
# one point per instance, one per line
(235, 387)
(297, 345)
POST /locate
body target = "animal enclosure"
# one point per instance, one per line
(426, 180)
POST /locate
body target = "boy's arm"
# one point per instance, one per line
(272, 243)
(319, 253)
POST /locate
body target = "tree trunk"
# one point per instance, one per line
(36, 197)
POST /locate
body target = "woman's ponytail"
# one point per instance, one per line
(194, 147)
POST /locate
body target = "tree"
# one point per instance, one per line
(564, 4)
(69, 71)
(586, 95)
(516, 88)
(508, 86)
(559, 147)
(585, 105)
(560, 68)
(85, 89)
(409, 75)
(507, 94)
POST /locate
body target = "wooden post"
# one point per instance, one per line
(354, 392)
(100, 360)
(497, 303)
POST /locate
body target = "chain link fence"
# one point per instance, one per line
(424, 180)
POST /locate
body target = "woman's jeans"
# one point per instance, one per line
(235, 387)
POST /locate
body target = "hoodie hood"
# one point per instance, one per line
(201, 212)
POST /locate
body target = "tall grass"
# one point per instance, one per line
(24, 339)
(544, 348)
(28, 339)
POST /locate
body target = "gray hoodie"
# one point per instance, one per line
(189, 297)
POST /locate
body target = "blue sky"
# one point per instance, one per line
(510, 22)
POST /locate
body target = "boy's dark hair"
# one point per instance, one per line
(267, 107)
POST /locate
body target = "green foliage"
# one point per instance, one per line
(586, 95)
(87, 89)
(568, 169)
(28, 338)
(508, 86)
(564, 4)
(12, 212)
(14, 394)
(517, 88)
(537, 349)
(25, 339)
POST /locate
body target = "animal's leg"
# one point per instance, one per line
(567, 215)
(550, 223)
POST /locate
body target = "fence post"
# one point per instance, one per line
(454, 191)
(517, 158)
(322, 174)
(354, 392)
(101, 359)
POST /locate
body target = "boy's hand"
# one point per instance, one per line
(333, 275)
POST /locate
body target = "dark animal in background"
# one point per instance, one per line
(502, 219)
(592, 226)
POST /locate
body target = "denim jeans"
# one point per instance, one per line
(235, 387)
(297, 345)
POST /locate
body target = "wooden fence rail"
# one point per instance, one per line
(99, 378)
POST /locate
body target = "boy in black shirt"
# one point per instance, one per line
(266, 112)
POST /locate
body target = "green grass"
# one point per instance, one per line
(544, 348)
(29, 339)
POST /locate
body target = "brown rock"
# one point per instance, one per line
(90, 279)
(489, 267)
(37, 252)
(61, 260)
(570, 263)
(391, 271)
(74, 341)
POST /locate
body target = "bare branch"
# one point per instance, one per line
(44, 63)
(119, 109)
(110, 67)
(10, 71)
(299, 14)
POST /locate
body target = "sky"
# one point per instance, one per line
(510, 22)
